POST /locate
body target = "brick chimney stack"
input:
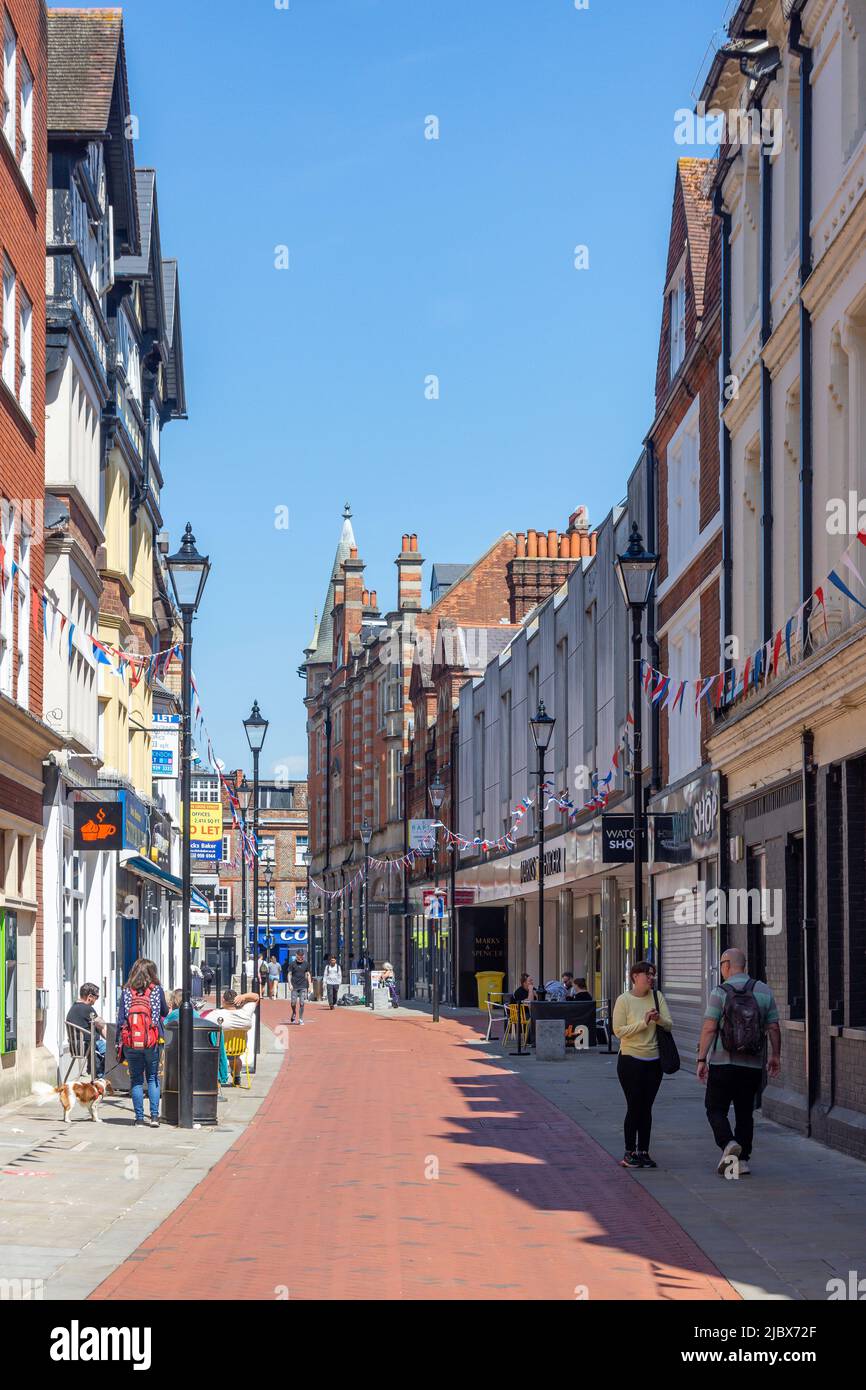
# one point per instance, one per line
(353, 575)
(544, 560)
(409, 563)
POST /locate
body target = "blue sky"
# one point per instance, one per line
(305, 128)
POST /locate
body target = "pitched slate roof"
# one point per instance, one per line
(321, 647)
(88, 95)
(83, 49)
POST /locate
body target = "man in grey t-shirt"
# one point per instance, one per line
(735, 1078)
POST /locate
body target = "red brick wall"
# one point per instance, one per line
(22, 242)
(22, 443)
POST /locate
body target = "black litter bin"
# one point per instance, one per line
(205, 1073)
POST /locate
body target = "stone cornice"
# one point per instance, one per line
(25, 730)
(814, 693)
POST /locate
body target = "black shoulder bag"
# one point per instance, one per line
(668, 1052)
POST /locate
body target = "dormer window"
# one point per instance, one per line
(678, 323)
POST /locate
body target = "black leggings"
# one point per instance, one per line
(640, 1081)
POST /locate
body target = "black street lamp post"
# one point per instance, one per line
(311, 929)
(542, 732)
(188, 572)
(636, 571)
(268, 873)
(256, 727)
(366, 836)
(437, 796)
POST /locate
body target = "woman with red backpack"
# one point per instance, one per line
(142, 1009)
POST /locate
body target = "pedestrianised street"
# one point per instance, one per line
(432, 681)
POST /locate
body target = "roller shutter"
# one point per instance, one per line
(683, 972)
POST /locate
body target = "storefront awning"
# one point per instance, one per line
(146, 869)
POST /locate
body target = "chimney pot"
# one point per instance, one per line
(413, 543)
(521, 545)
(553, 544)
(405, 545)
(532, 544)
(574, 544)
(564, 548)
(542, 546)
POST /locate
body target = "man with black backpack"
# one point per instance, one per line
(741, 1017)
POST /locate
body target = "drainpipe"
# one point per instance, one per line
(811, 1049)
(652, 640)
(328, 900)
(766, 392)
(408, 980)
(804, 53)
(725, 442)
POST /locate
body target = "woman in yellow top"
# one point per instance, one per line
(635, 1019)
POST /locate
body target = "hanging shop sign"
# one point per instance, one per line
(422, 834)
(120, 823)
(97, 825)
(686, 823)
(617, 839)
(164, 746)
(136, 825)
(160, 840)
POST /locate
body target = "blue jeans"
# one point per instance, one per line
(143, 1063)
(99, 1062)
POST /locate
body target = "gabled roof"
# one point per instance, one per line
(88, 95)
(321, 649)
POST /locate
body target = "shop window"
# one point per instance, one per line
(756, 883)
(794, 926)
(835, 897)
(855, 816)
(8, 980)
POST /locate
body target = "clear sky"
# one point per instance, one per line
(304, 128)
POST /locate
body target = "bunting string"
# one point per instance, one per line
(725, 687)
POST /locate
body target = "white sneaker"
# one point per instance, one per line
(301, 1022)
(731, 1150)
(743, 1168)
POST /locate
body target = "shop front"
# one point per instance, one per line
(586, 914)
(684, 866)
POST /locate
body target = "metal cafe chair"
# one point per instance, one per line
(496, 1013)
(511, 1026)
(81, 1050)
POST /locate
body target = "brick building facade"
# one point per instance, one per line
(378, 686)
(24, 739)
(684, 445)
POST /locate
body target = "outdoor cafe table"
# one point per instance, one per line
(573, 1011)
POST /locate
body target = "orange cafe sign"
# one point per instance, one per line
(98, 825)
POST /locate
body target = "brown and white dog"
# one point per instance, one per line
(87, 1094)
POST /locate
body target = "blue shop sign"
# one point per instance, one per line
(136, 823)
(283, 936)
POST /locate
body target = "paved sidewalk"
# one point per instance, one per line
(416, 1169)
(76, 1199)
(782, 1233)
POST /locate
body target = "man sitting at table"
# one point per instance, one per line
(81, 1015)
(580, 991)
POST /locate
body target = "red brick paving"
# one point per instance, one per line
(332, 1177)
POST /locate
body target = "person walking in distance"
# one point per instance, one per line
(332, 978)
(638, 1066)
(741, 1017)
(301, 985)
